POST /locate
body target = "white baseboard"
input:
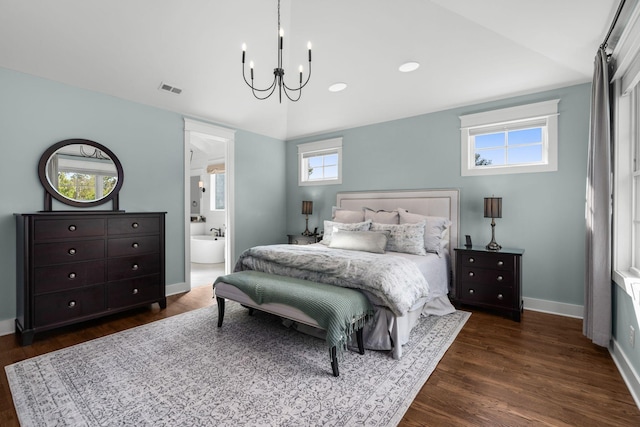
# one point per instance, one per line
(8, 326)
(629, 374)
(553, 307)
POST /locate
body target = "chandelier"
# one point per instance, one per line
(278, 73)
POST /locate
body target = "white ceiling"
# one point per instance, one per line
(470, 51)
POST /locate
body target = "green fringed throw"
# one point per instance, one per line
(339, 311)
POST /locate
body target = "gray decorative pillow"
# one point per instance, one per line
(329, 226)
(346, 216)
(367, 241)
(381, 217)
(406, 238)
(435, 229)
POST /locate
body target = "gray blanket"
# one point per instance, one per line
(389, 281)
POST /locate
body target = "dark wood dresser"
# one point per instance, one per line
(490, 279)
(73, 267)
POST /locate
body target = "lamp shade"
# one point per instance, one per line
(307, 207)
(493, 207)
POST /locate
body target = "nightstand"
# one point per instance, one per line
(299, 239)
(490, 279)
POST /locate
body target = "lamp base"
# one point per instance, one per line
(493, 246)
(306, 232)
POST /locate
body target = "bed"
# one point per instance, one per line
(393, 280)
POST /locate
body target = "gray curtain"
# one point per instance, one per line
(597, 304)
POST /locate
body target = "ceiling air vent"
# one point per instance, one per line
(169, 88)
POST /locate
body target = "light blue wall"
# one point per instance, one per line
(260, 191)
(35, 113)
(543, 213)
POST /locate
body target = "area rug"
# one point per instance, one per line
(185, 371)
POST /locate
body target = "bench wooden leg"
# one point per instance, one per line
(220, 302)
(334, 361)
(360, 340)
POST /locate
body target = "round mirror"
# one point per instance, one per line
(80, 173)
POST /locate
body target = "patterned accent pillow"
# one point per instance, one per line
(382, 217)
(435, 229)
(329, 226)
(406, 238)
(367, 241)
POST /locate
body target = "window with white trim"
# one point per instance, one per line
(510, 140)
(320, 163)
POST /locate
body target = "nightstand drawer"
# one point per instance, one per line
(497, 296)
(493, 261)
(483, 275)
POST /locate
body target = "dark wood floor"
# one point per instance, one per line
(541, 371)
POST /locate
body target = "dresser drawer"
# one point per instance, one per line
(47, 229)
(124, 293)
(133, 266)
(66, 252)
(493, 261)
(62, 306)
(133, 245)
(478, 294)
(483, 275)
(133, 225)
(68, 276)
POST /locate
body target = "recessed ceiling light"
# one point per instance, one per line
(337, 87)
(407, 67)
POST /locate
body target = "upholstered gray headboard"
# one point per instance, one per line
(438, 202)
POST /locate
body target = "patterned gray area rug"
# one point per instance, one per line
(185, 371)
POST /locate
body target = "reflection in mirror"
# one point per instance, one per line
(81, 172)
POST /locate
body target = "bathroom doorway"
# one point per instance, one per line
(208, 202)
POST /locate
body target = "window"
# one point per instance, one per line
(511, 140)
(217, 197)
(320, 163)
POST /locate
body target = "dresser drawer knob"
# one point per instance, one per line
(135, 245)
(499, 278)
(72, 275)
(471, 274)
(471, 291)
(72, 251)
(135, 266)
(135, 291)
(72, 227)
(71, 304)
(500, 297)
(471, 259)
(500, 263)
(135, 225)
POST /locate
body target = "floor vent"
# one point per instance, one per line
(169, 88)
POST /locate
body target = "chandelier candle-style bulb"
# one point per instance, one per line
(278, 73)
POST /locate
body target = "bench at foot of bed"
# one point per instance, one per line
(339, 311)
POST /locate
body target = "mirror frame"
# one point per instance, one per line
(50, 191)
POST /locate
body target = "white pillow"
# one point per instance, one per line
(381, 217)
(329, 226)
(346, 216)
(406, 238)
(435, 229)
(367, 241)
